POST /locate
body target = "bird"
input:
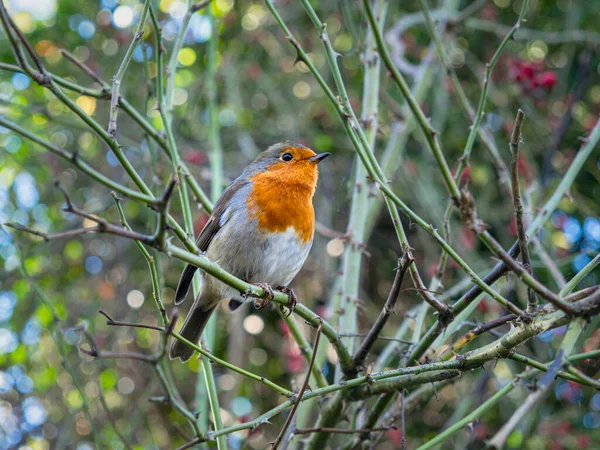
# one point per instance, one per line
(261, 230)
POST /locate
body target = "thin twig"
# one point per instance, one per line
(477, 331)
(402, 420)
(388, 308)
(342, 430)
(104, 226)
(191, 443)
(112, 419)
(118, 78)
(379, 338)
(83, 67)
(116, 323)
(298, 399)
(515, 140)
(550, 264)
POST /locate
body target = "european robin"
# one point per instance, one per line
(261, 230)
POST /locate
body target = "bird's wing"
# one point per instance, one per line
(210, 230)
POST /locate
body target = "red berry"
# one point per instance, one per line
(547, 79)
(195, 157)
(527, 70)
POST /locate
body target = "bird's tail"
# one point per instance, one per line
(192, 328)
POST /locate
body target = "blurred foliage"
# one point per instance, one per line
(46, 386)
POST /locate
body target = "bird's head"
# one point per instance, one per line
(288, 163)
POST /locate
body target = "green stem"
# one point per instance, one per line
(573, 282)
(375, 171)
(422, 121)
(116, 83)
(173, 61)
(75, 159)
(163, 96)
(156, 290)
(478, 412)
(568, 375)
(351, 267)
(214, 136)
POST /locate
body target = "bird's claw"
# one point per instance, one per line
(261, 302)
(292, 299)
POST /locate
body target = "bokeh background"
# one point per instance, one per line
(49, 390)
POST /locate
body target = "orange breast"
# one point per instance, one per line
(280, 199)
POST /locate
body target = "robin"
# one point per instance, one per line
(261, 231)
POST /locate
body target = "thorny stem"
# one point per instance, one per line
(476, 117)
(422, 121)
(352, 261)
(374, 171)
(163, 95)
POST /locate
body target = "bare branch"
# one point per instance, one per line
(388, 308)
(342, 430)
(84, 67)
(298, 399)
(515, 140)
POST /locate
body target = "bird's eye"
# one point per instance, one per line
(287, 157)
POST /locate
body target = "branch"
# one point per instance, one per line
(75, 159)
(515, 140)
(397, 384)
(115, 323)
(375, 170)
(342, 430)
(104, 226)
(572, 374)
(85, 68)
(388, 308)
(469, 215)
(422, 121)
(288, 421)
(571, 336)
(112, 420)
(475, 332)
(116, 82)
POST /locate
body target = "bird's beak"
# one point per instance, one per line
(320, 157)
